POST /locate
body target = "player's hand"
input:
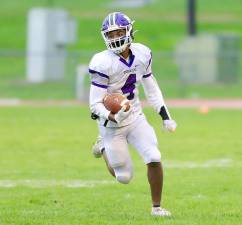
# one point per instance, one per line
(122, 114)
(169, 125)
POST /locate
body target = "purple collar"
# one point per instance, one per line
(130, 61)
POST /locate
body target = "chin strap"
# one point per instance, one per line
(164, 113)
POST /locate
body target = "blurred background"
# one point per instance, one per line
(46, 45)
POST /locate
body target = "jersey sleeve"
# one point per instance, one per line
(98, 71)
(148, 62)
(99, 84)
(145, 55)
(150, 85)
(154, 96)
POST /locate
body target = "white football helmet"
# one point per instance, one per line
(117, 21)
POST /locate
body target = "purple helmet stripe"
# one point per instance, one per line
(147, 75)
(99, 85)
(99, 73)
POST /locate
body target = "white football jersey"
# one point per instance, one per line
(110, 73)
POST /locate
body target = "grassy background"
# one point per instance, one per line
(161, 25)
(50, 143)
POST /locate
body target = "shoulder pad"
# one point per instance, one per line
(101, 62)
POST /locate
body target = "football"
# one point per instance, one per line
(114, 102)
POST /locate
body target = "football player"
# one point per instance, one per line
(120, 69)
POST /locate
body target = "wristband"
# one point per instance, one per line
(163, 113)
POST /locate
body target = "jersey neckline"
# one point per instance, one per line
(130, 61)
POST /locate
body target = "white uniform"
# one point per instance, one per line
(110, 73)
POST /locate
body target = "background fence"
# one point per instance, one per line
(13, 80)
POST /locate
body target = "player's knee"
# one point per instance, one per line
(153, 156)
(123, 174)
(124, 178)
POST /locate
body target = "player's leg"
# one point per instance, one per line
(143, 138)
(110, 169)
(98, 151)
(116, 153)
(124, 173)
(98, 147)
(155, 178)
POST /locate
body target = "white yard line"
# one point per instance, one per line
(226, 162)
(34, 183)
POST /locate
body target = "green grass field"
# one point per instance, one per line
(48, 175)
(45, 148)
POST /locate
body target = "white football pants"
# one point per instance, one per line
(140, 135)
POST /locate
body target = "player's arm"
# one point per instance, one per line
(153, 92)
(97, 107)
(151, 88)
(155, 98)
(99, 85)
(154, 95)
(98, 90)
(97, 93)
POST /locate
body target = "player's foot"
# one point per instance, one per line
(98, 147)
(158, 211)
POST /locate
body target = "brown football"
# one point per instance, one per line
(114, 102)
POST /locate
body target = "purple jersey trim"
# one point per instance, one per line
(131, 60)
(99, 73)
(99, 85)
(147, 75)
